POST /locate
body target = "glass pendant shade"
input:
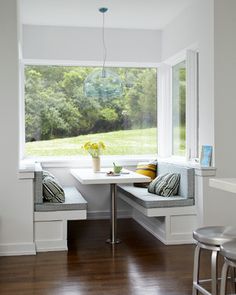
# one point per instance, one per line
(103, 83)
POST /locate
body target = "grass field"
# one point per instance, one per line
(125, 142)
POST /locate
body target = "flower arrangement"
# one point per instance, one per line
(94, 148)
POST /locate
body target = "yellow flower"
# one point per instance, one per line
(87, 145)
(101, 145)
(94, 148)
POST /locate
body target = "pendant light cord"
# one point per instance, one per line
(104, 44)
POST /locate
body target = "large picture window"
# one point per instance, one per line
(59, 118)
(179, 109)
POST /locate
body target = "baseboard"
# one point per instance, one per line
(47, 246)
(17, 249)
(106, 214)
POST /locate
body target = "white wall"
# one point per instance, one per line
(225, 87)
(85, 44)
(224, 203)
(16, 218)
(210, 26)
(194, 28)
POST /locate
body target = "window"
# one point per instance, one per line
(179, 109)
(59, 118)
(178, 106)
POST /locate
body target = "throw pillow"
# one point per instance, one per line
(46, 173)
(165, 185)
(52, 191)
(147, 169)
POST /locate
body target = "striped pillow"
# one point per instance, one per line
(147, 169)
(52, 191)
(47, 173)
(165, 185)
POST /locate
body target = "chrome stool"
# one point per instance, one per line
(209, 238)
(228, 251)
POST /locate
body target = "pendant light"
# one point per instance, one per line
(103, 82)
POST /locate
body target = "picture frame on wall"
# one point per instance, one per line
(206, 156)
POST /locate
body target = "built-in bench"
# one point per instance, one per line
(170, 219)
(50, 219)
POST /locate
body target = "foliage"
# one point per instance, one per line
(179, 108)
(55, 105)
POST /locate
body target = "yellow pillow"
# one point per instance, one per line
(147, 169)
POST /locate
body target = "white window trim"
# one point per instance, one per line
(46, 62)
(165, 105)
(164, 111)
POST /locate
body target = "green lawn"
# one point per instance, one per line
(125, 142)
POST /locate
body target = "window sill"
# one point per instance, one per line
(27, 165)
(199, 170)
(85, 161)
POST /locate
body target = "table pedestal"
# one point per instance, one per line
(86, 176)
(113, 239)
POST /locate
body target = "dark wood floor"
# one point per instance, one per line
(140, 265)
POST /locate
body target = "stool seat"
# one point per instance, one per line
(210, 238)
(214, 235)
(228, 250)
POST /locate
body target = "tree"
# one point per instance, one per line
(56, 106)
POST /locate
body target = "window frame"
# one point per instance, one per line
(68, 161)
(165, 106)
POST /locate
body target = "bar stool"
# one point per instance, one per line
(228, 251)
(209, 238)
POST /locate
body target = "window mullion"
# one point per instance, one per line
(192, 104)
(164, 111)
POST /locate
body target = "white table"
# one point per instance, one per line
(226, 184)
(87, 176)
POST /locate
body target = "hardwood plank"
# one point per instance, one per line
(139, 265)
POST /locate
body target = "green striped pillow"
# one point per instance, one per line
(52, 191)
(165, 185)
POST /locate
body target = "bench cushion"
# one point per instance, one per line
(148, 200)
(73, 201)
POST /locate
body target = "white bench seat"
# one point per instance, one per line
(50, 219)
(171, 219)
(148, 200)
(73, 201)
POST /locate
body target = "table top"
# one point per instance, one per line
(226, 184)
(87, 176)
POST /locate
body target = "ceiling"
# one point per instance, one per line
(129, 14)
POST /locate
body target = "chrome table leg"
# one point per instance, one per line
(113, 239)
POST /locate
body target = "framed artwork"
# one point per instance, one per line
(206, 156)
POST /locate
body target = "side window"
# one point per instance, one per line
(179, 109)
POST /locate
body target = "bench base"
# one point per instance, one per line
(50, 229)
(169, 229)
(172, 225)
